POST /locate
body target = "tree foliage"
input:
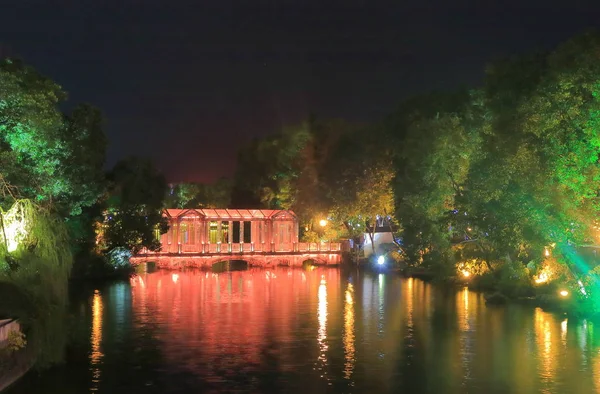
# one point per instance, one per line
(50, 157)
(133, 216)
(320, 169)
(500, 174)
(199, 195)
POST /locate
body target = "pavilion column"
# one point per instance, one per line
(254, 235)
(295, 235)
(201, 231)
(241, 236)
(219, 236)
(202, 237)
(172, 234)
(272, 235)
(198, 234)
(230, 232)
(177, 241)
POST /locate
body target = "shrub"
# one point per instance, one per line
(16, 341)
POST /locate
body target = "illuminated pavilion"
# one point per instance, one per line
(230, 231)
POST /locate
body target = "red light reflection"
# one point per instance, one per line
(207, 319)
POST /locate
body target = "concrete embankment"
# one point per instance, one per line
(12, 365)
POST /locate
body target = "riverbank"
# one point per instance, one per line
(14, 362)
(501, 287)
(17, 365)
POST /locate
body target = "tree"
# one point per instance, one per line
(357, 178)
(30, 131)
(133, 217)
(542, 146)
(198, 195)
(53, 159)
(435, 142)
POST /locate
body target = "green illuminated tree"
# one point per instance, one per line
(53, 159)
(436, 139)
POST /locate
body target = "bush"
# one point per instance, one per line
(496, 298)
(514, 280)
(119, 258)
(16, 341)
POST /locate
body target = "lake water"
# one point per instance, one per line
(313, 331)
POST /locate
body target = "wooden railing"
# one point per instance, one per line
(226, 248)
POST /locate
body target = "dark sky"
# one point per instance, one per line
(188, 82)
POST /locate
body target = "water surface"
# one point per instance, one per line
(323, 330)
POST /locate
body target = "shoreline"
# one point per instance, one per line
(24, 360)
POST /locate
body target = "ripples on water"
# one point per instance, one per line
(324, 330)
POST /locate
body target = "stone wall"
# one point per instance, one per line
(15, 365)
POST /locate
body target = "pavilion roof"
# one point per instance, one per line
(228, 214)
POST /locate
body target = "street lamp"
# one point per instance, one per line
(563, 293)
(322, 222)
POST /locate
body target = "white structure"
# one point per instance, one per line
(380, 237)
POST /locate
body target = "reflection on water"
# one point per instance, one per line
(96, 340)
(349, 349)
(322, 334)
(321, 330)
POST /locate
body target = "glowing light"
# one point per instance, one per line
(542, 278)
(323, 281)
(322, 222)
(546, 252)
(175, 278)
(468, 228)
(380, 260)
(466, 273)
(581, 288)
(15, 226)
(563, 293)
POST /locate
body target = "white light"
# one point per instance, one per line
(380, 260)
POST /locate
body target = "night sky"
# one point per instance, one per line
(187, 82)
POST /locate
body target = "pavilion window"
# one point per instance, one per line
(191, 239)
(184, 232)
(213, 232)
(247, 232)
(224, 232)
(236, 232)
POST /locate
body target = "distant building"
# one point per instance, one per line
(383, 235)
